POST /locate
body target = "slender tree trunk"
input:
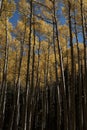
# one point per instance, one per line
(32, 87)
(37, 80)
(4, 79)
(57, 104)
(26, 120)
(62, 71)
(16, 110)
(79, 90)
(72, 87)
(85, 69)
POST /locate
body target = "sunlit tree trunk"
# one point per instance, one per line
(4, 78)
(26, 120)
(17, 85)
(62, 70)
(32, 87)
(57, 102)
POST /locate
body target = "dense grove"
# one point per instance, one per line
(43, 65)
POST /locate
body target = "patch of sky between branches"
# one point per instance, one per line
(80, 38)
(14, 19)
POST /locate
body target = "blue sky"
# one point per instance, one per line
(14, 18)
